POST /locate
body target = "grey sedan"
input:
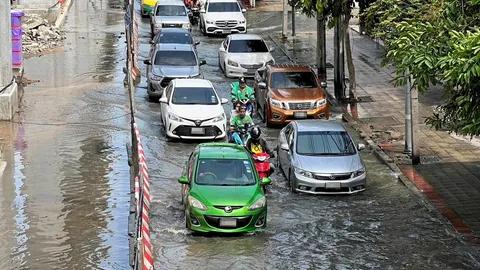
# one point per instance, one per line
(320, 157)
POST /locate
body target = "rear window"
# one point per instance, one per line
(292, 80)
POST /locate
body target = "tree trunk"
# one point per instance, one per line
(352, 88)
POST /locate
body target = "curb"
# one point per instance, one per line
(372, 39)
(63, 16)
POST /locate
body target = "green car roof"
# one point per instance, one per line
(222, 150)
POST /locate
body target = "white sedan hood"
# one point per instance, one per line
(196, 112)
(225, 16)
(250, 58)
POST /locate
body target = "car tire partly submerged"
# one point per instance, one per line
(291, 182)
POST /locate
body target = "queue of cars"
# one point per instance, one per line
(221, 188)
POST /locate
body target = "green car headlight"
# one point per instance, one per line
(196, 203)
(258, 204)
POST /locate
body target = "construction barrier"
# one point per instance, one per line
(17, 57)
(140, 246)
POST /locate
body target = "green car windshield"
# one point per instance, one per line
(225, 172)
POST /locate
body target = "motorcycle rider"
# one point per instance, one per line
(239, 121)
(242, 91)
(257, 144)
(195, 4)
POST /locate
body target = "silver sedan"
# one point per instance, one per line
(320, 157)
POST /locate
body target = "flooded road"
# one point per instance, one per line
(65, 193)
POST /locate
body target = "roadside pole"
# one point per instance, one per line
(285, 19)
(293, 21)
(339, 70)
(321, 49)
(415, 125)
(408, 116)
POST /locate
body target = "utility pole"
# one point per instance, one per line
(338, 55)
(285, 19)
(321, 49)
(408, 116)
(293, 20)
(415, 125)
(129, 69)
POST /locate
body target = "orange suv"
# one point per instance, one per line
(286, 92)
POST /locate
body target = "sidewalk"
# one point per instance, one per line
(449, 174)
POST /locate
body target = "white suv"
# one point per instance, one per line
(222, 17)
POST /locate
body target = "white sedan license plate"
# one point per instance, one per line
(333, 185)
(198, 131)
(226, 31)
(228, 222)
(300, 115)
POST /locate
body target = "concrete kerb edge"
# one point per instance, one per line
(382, 156)
(62, 17)
(374, 40)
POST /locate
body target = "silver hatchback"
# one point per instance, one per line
(320, 157)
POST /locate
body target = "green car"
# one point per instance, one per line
(221, 190)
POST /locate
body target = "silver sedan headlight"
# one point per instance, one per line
(303, 172)
(358, 173)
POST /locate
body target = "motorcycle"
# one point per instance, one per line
(248, 103)
(241, 135)
(262, 164)
(195, 15)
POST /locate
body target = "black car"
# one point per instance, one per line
(174, 36)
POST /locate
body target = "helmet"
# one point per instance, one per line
(255, 133)
(242, 80)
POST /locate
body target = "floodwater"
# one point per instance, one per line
(65, 192)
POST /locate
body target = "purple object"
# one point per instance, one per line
(17, 57)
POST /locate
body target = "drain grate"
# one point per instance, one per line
(430, 159)
(365, 99)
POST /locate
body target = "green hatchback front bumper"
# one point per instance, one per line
(217, 220)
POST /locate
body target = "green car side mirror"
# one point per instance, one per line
(183, 180)
(266, 181)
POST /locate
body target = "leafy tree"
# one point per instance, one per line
(330, 10)
(436, 42)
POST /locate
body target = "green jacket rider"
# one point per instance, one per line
(241, 91)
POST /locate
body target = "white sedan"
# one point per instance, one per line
(192, 109)
(240, 55)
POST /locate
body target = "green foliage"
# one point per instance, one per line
(328, 8)
(436, 42)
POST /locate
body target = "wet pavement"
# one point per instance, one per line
(64, 195)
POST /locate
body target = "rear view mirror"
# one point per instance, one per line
(151, 42)
(202, 62)
(284, 146)
(266, 181)
(360, 146)
(323, 84)
(224, 101)
(197, 42)
(163, 100)
(244, 10)
(147, 62)
(271, 49)
(202, 10)
(262, 85)
(183, 180)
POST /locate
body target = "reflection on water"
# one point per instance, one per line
(64, 194)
